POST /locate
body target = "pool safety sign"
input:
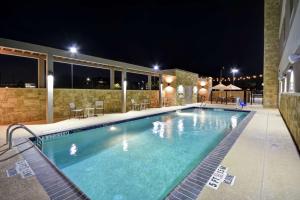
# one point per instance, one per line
(220, 175)
(21, 167)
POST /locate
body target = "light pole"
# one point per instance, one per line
(73, 49)
(222, 68)
(234, 71)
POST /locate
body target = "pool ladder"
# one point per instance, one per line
(13, 127)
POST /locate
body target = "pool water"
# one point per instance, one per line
(140, 159)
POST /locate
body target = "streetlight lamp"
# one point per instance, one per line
(234, 71)
(74, 50)
(156, 67)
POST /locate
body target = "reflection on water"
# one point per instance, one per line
(163, 128)
(195, 120)
(125, 144)
(234, 121)
(112, 128)
(73, 150)
(200, 120)
(180, 126)
(159, 128)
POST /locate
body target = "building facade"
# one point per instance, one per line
(282, 61)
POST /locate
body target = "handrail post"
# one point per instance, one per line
(8, 130)
(19, 127)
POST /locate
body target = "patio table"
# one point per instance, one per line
(90, 112)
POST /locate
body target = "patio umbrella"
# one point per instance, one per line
(232, 87)
(220, 86)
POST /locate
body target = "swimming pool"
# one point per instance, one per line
(140, 159)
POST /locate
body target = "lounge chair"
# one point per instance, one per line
(99, 105)
(75, 111)
(134, 105)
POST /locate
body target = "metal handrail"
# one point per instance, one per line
(39, 140)
(8, 130)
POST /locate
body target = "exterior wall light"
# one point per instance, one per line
(202, 83)
(180, 89)
(294, 58)
(292, 82)
(285, 83)
(195, 90)
(50, 79)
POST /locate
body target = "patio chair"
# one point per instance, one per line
(75, 111)
(99, 106)
(146, 103)
(134, 105)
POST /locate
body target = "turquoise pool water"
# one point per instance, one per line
(140, 159)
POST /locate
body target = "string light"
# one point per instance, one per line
(239, 78)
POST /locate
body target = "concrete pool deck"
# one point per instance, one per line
(264, 159)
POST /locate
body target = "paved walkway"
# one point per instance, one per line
(264, 159)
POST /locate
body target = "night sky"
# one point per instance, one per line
(199, 36)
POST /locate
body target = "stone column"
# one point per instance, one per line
(124, 90)
(149, 82)
(112, 79)
(41, 73)
(50, 81)
(271, 52)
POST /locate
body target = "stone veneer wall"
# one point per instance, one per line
(85, 98)
(271, 52)
(140, 95)
(112, 99)
(186, 79)
(25, 104)
(22, 105)
(290, 110)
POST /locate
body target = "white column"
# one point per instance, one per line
(160, 91)
(149, 82)
(124, 90)
(112, 78)
(49, 84)
(41, 73)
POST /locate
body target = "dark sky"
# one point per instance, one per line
(199, 36)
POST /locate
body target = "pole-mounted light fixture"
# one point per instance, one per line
(234, 71)
(73, 49)
(156, 67)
